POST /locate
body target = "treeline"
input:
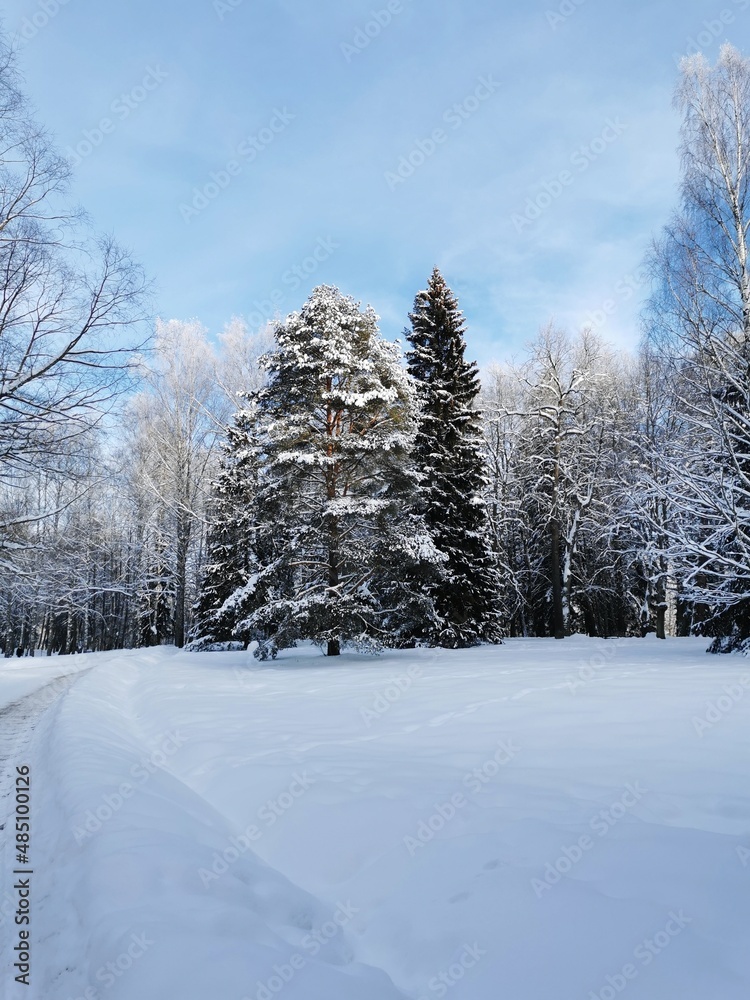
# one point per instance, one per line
(309, 481)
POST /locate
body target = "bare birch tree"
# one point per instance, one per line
(700, 319)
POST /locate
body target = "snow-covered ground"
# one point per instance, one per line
(538, 821)
(22, 677)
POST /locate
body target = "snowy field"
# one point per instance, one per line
(538, 821)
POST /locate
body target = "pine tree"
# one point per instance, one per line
(341, 554)
(449, 451)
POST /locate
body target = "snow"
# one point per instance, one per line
(537, 820)
(18, 678)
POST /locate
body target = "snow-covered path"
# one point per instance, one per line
(565, 820)
(18, 718)
(35, 688)
(40, 688)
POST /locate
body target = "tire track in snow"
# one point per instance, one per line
(19, 720)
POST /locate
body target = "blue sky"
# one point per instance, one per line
(247, 150)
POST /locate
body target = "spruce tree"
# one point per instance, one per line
(229, 541)
(450, 453)
(341, 553)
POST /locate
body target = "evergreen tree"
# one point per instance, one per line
(450, 453)
(230, 542)
(337, 553)
(341, 554)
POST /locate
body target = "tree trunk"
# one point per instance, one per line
(183, 545)
(558, 613)
(661, 601)
(51, 628)
(558, 616)
(334, 645)
(661, 622)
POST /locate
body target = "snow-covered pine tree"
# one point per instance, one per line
(450, 454)
(341, 552)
